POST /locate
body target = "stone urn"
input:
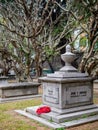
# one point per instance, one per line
(68, 57)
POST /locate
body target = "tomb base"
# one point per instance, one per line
(70, 100)
(72, 117)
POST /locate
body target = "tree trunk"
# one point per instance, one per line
(50, 65)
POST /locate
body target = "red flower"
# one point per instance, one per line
(44, 109)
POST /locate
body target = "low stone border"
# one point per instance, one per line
(18, 90)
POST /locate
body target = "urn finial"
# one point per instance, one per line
(68, 57)
(68, 48)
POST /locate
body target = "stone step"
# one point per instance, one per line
(39, 119)
(74, 109)
(75, 115)
(55, 125)
(80, 121)
(52, 114)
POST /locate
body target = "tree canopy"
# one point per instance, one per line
(36, 28)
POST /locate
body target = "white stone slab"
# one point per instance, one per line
(70, 116)
(58, 118)
(47, 116)
(39, 119)
(62, 111)
(74, 109)
(54, 125)
(80, 121)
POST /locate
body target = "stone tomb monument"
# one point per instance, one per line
(69, 94)
(17, 91)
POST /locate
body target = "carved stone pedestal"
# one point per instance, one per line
(67, 93)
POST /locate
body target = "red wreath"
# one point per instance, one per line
(44, 109)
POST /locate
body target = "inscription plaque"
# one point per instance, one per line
(51, 94)
(78, 94)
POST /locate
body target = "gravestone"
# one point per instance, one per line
(69, 94)
(17, 91)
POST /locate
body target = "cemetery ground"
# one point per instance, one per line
(10, 120)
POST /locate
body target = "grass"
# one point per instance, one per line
(10, 120)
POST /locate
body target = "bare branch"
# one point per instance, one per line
(73, 16)
(14, 31)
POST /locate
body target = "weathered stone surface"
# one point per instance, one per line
(48, 123)
(75, 115)
(73, 109)
(71, 118)
(67, 93)
(18, 89)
